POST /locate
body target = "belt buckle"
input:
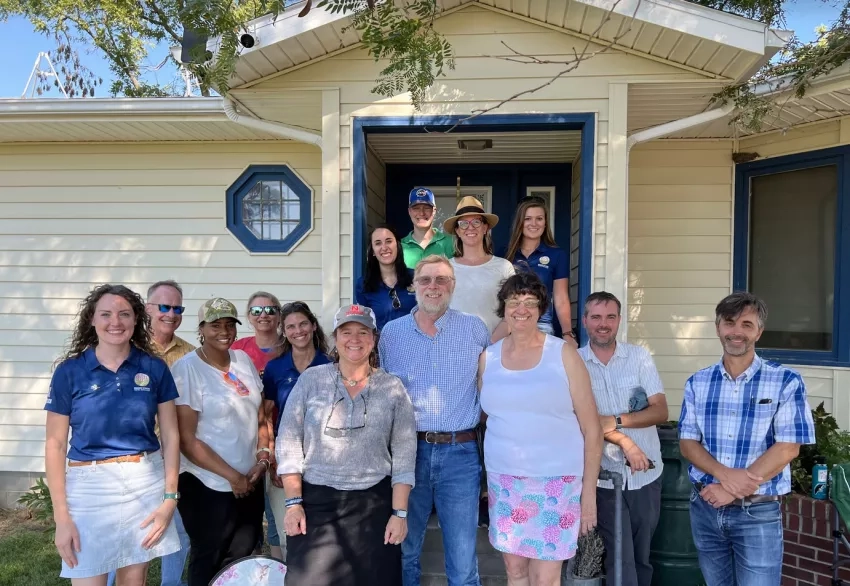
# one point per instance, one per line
(428, 436)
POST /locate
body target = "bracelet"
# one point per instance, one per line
(266, 450)
(294, 501)
(264, 461)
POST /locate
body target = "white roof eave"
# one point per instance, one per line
(11, 109)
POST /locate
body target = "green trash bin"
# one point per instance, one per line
(673, 553)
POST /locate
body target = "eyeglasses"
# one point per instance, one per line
(527, 303)
(178, 309)
(238, 385)
(441, 280)
(260, 309)
(464, 224)
(341, 421)
(396, 300)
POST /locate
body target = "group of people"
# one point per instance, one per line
(444, 384)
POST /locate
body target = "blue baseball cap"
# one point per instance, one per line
(421, 195)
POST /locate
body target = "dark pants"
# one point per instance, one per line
(221, 527)
(641, 509)
(344, 543)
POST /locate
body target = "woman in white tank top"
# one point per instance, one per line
(543, 445)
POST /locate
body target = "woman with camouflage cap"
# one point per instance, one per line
(225, 445)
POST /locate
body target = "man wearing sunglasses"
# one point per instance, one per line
(165, 306)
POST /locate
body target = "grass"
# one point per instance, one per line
(29, 557)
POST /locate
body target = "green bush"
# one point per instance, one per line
(37, 502)
(832, 444)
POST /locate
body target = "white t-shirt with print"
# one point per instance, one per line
(476, 289)
(227, 421)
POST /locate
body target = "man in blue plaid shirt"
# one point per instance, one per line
(743, 421)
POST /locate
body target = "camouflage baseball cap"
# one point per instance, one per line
(217, 308)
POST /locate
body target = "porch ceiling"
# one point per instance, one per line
(695, 38)
(508, 147)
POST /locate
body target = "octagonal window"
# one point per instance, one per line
(269, 208)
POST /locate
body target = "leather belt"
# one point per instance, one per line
(115, 460)
(746, 501)
(448, 437)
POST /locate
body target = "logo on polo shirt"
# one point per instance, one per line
(544, 260)
(142, 382)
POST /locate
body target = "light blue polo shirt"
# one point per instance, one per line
(111, 413)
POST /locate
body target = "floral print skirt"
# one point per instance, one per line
(535, 517)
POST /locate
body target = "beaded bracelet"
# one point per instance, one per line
(294, 501)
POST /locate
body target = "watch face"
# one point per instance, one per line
(400, 514)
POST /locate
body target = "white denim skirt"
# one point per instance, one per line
(108, 503)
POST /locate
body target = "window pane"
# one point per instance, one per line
(271, 210)
(792, 256)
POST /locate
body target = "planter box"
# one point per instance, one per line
(808, 543)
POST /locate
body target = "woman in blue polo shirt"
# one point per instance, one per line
(532, 246)
(114, 500)
(387, 285)
(304, 346)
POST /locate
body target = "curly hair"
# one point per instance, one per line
(85, 336)
(524, 282)
(320, 341)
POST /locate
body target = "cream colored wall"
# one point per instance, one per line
(75, 216)
(479, 80)
(376, 190)
(680, 255)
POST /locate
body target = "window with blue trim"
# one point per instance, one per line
(792, 249)
(269, 208)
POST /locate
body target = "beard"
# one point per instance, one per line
(433, 306)
(733, 350)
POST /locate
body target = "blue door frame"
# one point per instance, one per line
(361, 126)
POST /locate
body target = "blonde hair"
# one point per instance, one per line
(516, 229)
(432, 259)
(276, 302)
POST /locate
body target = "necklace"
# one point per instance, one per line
(351, 382)
(211, 363)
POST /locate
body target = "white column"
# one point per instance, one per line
(617, 205)
(330, 207)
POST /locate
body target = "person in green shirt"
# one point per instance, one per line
(424, 239)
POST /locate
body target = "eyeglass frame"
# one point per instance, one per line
(168, 308)
(396, 302)
(421, 280)
(341, 431)
(267, 309)
(515, 303)
(464, 224)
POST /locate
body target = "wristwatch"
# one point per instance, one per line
(171, 495)
(619, 422)
(400, 513)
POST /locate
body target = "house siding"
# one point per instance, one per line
(680, 255)
(76, 216)
(480, 80)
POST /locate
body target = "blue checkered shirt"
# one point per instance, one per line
(440, 373)
(737, 420)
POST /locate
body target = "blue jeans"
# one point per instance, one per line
(448, 476)
(172, 564)
(738, 546)
(273, 535)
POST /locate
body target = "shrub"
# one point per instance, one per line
(588, 562)
(832, 444)
(37, 502)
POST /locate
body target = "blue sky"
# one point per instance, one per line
(20, 46)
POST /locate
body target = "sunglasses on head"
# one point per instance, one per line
(177, 309)
(260, 309)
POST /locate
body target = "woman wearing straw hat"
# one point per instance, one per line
(478, 273)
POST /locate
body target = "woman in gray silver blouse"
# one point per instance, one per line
(346, 451)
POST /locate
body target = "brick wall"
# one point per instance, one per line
(808, 543)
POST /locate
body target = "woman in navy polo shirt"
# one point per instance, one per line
(532, 246)
(387, 286)
(114, 501)
(304, 346)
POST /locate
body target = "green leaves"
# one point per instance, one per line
(832, 444)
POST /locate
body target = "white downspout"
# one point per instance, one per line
(282, 130)
(678, 125)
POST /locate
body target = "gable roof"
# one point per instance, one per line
(689, 36)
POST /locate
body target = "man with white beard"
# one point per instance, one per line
(434, 350)
(743, 420)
